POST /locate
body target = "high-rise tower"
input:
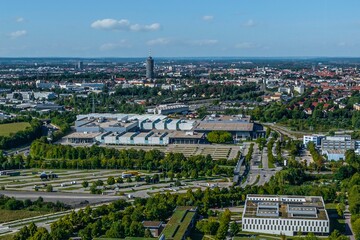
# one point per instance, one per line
(150, 67)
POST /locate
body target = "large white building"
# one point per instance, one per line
(133, 129)
(149, 129)
(286, 215)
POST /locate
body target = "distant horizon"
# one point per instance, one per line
(188, 57)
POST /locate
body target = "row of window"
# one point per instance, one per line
(249, 227)
(286, 222)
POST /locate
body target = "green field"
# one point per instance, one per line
(7, 236)
(8, 128)
(12, 215)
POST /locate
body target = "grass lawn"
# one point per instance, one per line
(12, 215)
(7, 237)
(7, 128)
(271, 165)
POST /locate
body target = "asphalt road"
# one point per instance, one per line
(73, 199)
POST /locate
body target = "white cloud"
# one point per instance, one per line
(158, 41)
(111, 24)
(17, 34)
(124, 25)
(246, 45)
(249, 23)
(151, 27)
(111, 46)
(208, 18)
(20, 19)
(205, 42)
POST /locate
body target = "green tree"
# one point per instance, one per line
(116, 230)
(85, 184)
(49, 188)
(234, 228)
(110, 180)
(219, 137)
(224, 225)
(356, 228)
(340, 208)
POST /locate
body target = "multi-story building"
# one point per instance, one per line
(300, 89)
(339, 142)
(287, 215)
(316, 139)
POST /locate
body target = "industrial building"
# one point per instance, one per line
(149, 129)
(285, 215)
(240, 126)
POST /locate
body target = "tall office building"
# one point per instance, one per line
(149, 68)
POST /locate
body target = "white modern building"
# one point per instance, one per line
(171, 108)
(300, 89)
(45, 85)
(316, 139)
(134, 129)
(285, 215)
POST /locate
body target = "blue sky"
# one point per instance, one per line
(179, 28)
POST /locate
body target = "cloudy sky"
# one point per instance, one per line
(179, 28)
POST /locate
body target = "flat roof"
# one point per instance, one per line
(143, 134)
(225, 126)
(152, 223)
(242, 118)
(335, 151)
(182, 134)
(285, 207)
(179, 223)
(128, 134)
(83, 135)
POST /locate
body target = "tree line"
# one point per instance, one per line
(44, 155)
(37, 205)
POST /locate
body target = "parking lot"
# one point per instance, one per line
(69, 182)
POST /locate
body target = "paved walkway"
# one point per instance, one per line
(348, 229)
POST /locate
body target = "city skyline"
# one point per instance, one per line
(203, 29)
